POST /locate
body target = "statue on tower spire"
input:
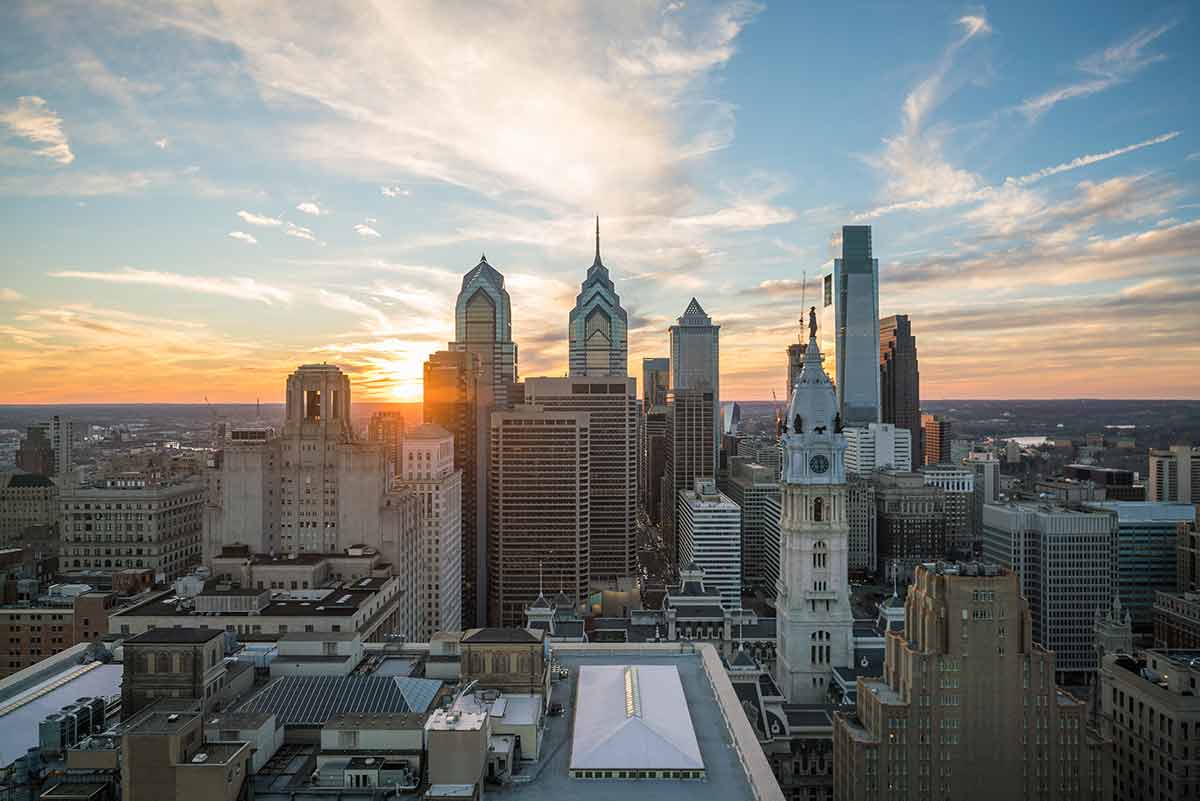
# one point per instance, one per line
(812, 321)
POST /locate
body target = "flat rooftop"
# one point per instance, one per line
(337, 602)
(21, 714)
(175, 636)
(725, 776)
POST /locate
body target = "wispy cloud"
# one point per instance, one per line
(242, 236)
(394, 191)
(345, 303)
(310, 207)
(1193, 156)
(251, 218)
(233, 287)
(300, 232)
(1091, 158)
(32, 119)
(364, 230)
(1104, 69)
(10, 295)
(162, 144)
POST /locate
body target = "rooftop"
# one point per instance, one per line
(1147, 511)
(706, 702)
(177, 636)
(313, 700)
(21, 714)
(633, 717)
(502, 635)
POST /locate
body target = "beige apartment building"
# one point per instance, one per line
(967, 706)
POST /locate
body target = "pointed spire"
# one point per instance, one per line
(597, 239)
(483, 258)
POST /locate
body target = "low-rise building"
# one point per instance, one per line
(52, 623)
(26, 500)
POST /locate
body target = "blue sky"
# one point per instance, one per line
(195, 198)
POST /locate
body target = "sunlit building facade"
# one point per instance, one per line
(598, 328)
(849, 332)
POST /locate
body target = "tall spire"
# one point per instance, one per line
(597, 261)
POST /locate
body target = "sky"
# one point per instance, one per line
(197, 197)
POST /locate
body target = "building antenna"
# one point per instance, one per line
(803, 305)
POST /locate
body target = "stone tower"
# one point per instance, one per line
(815, 626)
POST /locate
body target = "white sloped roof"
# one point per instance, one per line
(633, 717)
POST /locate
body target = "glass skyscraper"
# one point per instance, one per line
(483, 326)
(849, 331)
(695, 363)
(598, 326)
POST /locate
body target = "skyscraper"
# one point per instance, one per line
(695, 362)
(1067, 562)
(967, 706)
(427, 469)
(483, 326)
(656, 380)
(452, 401)
(60, 432)
(795, 353)
(957, 483)
(935, 435)
(598, 328)
(878, 446)
(539, 504)
(387, 428)
(749, 485)
(815, 626)
(611, 404)
(710, 538)
(690, 453)
(1174, 475)
(899, 377)
(850, 327)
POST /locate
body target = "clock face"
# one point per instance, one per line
(818, 464)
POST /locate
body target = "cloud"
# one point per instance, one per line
(310, 207)
(345, 303)
(300, 232)
(242, 236)
(233, 287)
(9, 295)
(32, 119)
(1091, 158)
(402, 93)
(394, 191)
(259, 219)
(1193, 156)
(364, 230)
(162, 144)
(1106, 68)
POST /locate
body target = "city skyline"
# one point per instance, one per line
(204, 199)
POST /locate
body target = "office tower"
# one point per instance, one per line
(1174, 475)
(910, 519)
(598, 328)
(538, 504)
(60, 433)
(1147, 544)
(695, 364)
(483, 326)
(1151, 714)
(795, 354)
(710, 538)
(653, 460)
(958, 506)
(935, 434)
(1116, 484)
(451, 400)
(427, 469)
(772, 508)
(850, 327)
(612, 406)
(36, 454)
(387, 428)
(878, 446)
(132, 523)
(861, 518)
(1067, 561)
(987, 483)
(314, 488)
(899, 377)
(688, 455)
(815, 620)
(26, 500)
(656, 380)
(967, 706)
(760, 450)
(749, 485)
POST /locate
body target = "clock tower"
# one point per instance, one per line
(815, 623)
